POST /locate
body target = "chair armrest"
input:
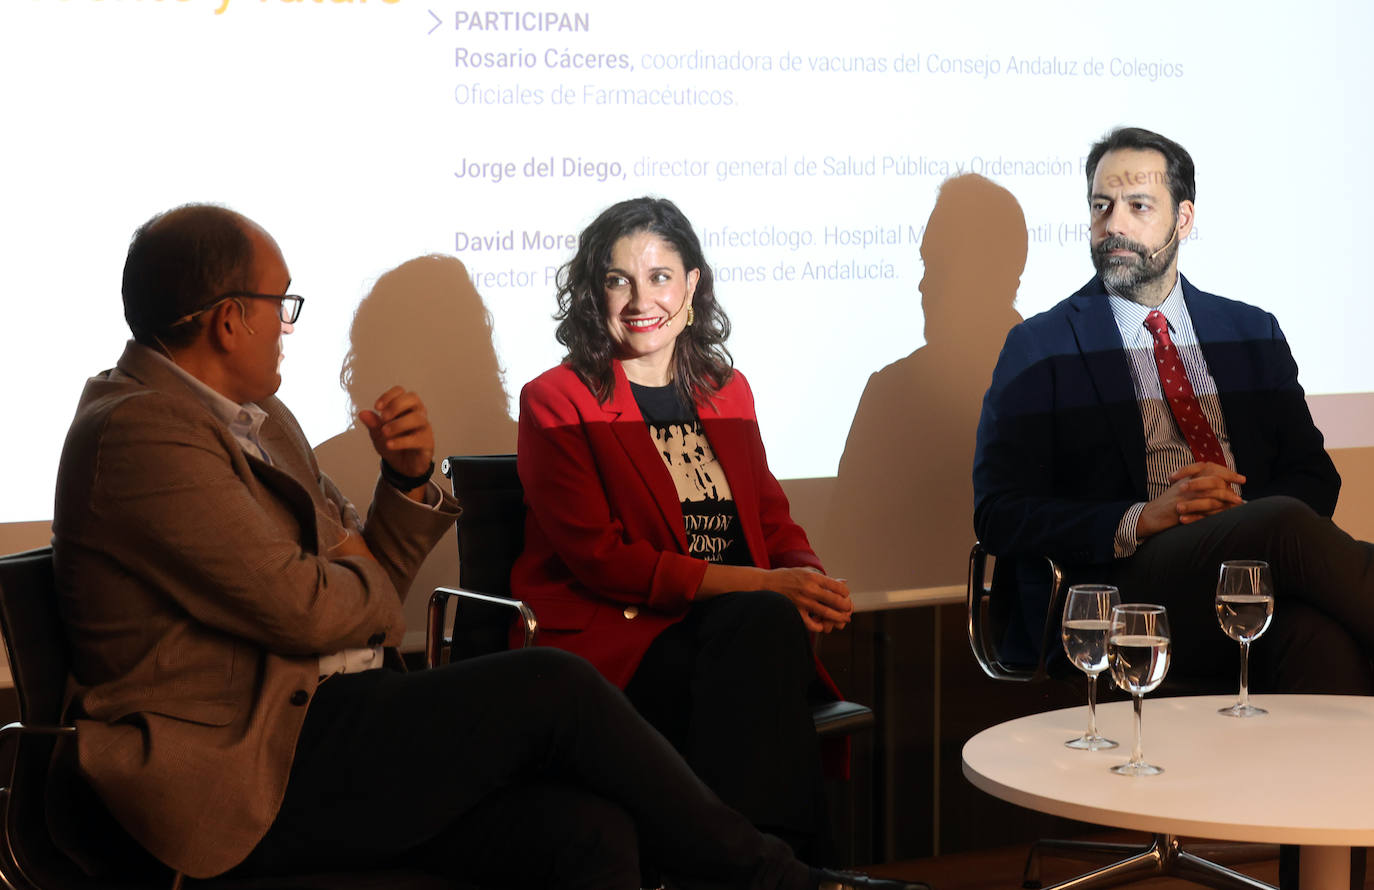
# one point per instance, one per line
(835, 718)
(438, 612)
(17, 729)
(1049, 638)
(14, 730)
(980, 635)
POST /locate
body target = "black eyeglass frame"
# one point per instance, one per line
(288, 309)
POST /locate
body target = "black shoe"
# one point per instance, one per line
(850, 880)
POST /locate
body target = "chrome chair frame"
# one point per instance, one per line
(436, 641)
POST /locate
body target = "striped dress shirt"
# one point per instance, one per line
(1166, 450)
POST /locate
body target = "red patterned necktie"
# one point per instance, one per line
(1179, 393)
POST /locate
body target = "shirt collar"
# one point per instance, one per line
(244, 420)
(1130, 318)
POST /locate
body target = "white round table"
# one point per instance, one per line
(1302, 774)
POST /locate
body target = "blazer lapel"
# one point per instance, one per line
(726, 430)
(1214, 329)
(1104, 359)
(627, 424)
(292, 478)
(723, 425)
(288, 456)
(289, 475)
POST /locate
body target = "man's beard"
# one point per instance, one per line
(1128, 276)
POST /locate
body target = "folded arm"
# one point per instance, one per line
(173, 498)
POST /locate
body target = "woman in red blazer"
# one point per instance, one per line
(657, 543)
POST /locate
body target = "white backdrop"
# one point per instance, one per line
(806, 141)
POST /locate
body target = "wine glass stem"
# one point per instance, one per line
(1244, 673)
(1092, 706)
(1137, 756)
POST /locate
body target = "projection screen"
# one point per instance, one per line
(806, 141)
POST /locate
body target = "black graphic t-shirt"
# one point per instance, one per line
(708, 510)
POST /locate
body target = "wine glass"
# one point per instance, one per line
(1087, 620)
(1245, 606)
(1138, 652)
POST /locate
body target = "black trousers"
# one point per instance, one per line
(524, 769)
(729, 686)
(1322, 635)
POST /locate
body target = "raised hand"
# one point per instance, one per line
(401, 433)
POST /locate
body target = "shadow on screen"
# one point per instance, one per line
(423, 326)
(901, 513)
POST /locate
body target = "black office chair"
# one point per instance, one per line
(491, 534)
(989, 614)
(29, 860)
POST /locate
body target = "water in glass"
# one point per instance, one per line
(1138, 652)
(1245, 606)
(1086, 624)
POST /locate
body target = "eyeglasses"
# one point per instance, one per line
(288, 305)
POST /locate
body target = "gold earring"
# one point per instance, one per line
(691, 316)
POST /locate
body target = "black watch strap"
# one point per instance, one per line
(403, 482)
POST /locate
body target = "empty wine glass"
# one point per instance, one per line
(1087, 621)
(1245, 606)
(1138, 652)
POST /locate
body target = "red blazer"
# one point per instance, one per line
(605, 563)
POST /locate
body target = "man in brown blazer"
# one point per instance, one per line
(227, 607)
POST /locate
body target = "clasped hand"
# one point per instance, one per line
(823, 601)
(1195, 492)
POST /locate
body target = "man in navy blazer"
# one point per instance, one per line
(1079, 456)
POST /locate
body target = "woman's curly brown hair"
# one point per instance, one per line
(701, 364)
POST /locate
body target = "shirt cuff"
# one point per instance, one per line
(434, 497)
(1126, 542)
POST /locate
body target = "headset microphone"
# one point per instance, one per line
(1164, 245)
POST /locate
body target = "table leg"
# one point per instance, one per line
(1324, 868)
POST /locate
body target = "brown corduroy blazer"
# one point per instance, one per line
(197, 595)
